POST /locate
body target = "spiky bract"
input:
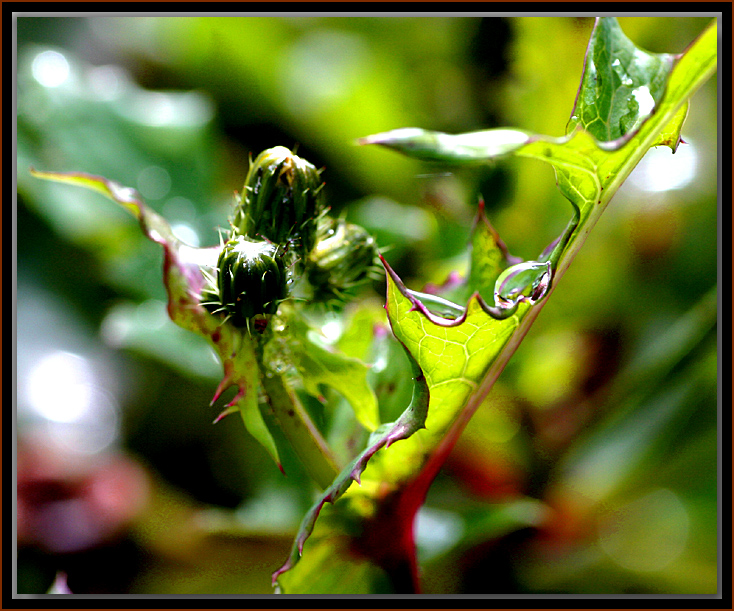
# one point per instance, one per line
(250, 280)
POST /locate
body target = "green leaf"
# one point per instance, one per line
(621, 84)
(453, 354)
(346, 375)
(241, 369)
(489, 256)
(359, 502)
(471, 147)
(450, 359)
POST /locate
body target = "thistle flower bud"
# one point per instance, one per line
(250, 280)
(281, 201)
(344, 258)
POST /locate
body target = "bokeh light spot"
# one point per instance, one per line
(661, 170)
(50, 68)
(154, 182)
(59, 386)
(647, 534)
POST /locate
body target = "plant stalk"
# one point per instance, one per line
(309, 445)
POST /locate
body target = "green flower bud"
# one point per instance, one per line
(344, 258)
(250, 280)
(281, 201)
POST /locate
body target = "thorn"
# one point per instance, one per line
(223, 385)
(356, 474)
(226, 412)
(240, 393)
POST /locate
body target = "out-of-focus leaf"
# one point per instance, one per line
(99, 119)
(202, 551)
(145, 328)
(622, 443)
(656, 359)
(640, 466)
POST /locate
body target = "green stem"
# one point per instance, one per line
(309, 445)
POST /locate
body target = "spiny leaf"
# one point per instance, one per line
(453, 354)
(449, 363)
(489, 255)
(412, 419)
(588, 171)
(241, 370)
(183, 271)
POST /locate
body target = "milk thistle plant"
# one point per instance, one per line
(285, 254)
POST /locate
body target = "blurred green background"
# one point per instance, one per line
(592, 468)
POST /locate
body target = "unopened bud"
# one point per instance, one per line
(250, 280)
(344, 258)
(281, 201)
